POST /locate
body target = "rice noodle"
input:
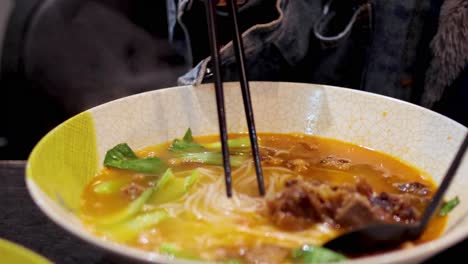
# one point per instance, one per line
(208, 203)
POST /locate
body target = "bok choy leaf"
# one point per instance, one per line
(185, 144)
(122, 157)
(308, 254)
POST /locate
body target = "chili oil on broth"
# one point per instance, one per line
(204, 220)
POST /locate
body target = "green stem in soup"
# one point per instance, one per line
(122, 157)
(174, 188)
(448, 206)
(234, 261)
(209, 158)
(174, 251)
(243, 142)
(129, 229)
(190, 181)
(109, 187)
(308, 254)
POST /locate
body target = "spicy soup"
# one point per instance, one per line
(171, 198)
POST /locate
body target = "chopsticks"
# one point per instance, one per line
(213, 34)
(210, 6)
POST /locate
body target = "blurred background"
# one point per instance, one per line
(61, 57)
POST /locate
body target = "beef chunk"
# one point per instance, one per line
(302, 204)
(271, 161)
(261, 254)
(133, 190)
(267, 156)
(364, 188)
(298, 165)
(356, 211)
(336, 162)
(266, 254)
(292, 208)
(309, 146)
(399, 207)
(413, 188)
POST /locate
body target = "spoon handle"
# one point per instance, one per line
(438, 196)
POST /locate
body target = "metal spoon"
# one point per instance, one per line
(380, 236)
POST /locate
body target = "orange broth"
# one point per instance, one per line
(189, 233)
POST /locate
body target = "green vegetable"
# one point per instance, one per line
(210, 158)
(135, 206)
(234, 261)
(189, 181)
(109, 187)
(129, 229)
(174, 188)
(186, 144)
(164, 179)
(448, 206)
(120, 152)
(243, 142)
(123, 157)
(308, 254)
(173, 250)
(186, 150)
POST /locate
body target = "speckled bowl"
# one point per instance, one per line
(66, 158)
(13, 253)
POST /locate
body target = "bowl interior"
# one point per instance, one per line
(65, 159)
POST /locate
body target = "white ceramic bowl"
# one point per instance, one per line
(66, 158)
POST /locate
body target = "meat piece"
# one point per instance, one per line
(267, 156)
(261, 254)
(400, 207)
(364, 188)
(413, 188)
(302, 204)
(292, 209)
(230, 252)
(265, 151)
(133, 190)
(309, 146)
(304, 150)
(270, 160)
(356, 211)
(335, 162)
(290, 183)
(298, 165)
(266, 254)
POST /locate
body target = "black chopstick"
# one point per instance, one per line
(213, 33)
(239, 53)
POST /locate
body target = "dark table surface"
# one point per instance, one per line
(22, 222)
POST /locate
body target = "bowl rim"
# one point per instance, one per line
(415, 253)
(20, 252)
